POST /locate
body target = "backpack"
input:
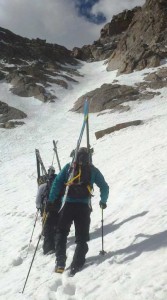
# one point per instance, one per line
(46, 191)
(42, 179)
(80, 185)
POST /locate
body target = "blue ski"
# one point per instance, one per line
(72, 165)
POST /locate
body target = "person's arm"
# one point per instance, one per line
(39, 195)
(58, 184)
(102, 184)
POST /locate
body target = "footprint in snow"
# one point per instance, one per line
(55, 285)
(24, 247)
(17, 261)
(69, 289)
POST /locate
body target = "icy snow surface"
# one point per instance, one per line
(134, 163)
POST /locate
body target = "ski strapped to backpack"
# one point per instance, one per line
(56, 152)
(44, 178)
(40, 167)
(90, 151)
(73, 163)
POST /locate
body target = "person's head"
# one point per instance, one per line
(84, 156)
(51, 171)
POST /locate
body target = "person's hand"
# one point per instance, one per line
(102, 205)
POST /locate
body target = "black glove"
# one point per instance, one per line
(102, 205)
(50, 207)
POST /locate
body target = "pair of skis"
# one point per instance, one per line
(40, 165)
(73, 163)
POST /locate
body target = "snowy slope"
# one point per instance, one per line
(133, 162)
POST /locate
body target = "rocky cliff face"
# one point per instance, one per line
(31, 66)
(110, 35)
(143, 45)
(133, 40)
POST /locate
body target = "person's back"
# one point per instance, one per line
(52, 219)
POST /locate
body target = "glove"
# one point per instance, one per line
(50, 207)
(102, 205)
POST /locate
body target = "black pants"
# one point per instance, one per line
(79, 213)
(50, 232)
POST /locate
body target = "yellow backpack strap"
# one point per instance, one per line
(90, 190)
(44, 217)
(77, 176)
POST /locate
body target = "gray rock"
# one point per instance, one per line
(110, 96)
(99, 134)
(8, 113)
(12, 124)
(155, 80)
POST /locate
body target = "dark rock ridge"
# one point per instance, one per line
(143, 45)
(110, 35)
(15, 49)
(32, 66)
(8, 113)
(110, 96)
(99, 134)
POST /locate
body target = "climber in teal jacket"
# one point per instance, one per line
(77, 207)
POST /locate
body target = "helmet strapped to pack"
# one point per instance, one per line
(51, 175)
(83, 156)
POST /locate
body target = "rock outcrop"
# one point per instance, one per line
(110, 96)
(16, 49)
(143, 45)
(32, 66)
(133, 40)
(99, 134)
(8, 113)
(110, 35)
(155, 80)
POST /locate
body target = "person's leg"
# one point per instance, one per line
(63, 228)
(48, 243)
(82, 224)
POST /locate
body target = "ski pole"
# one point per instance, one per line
(32, 232)
(35, 252)
(102, 252)
(53, 158)
(38, 167)
(55, 150)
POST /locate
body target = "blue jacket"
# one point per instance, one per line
(62, 178)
